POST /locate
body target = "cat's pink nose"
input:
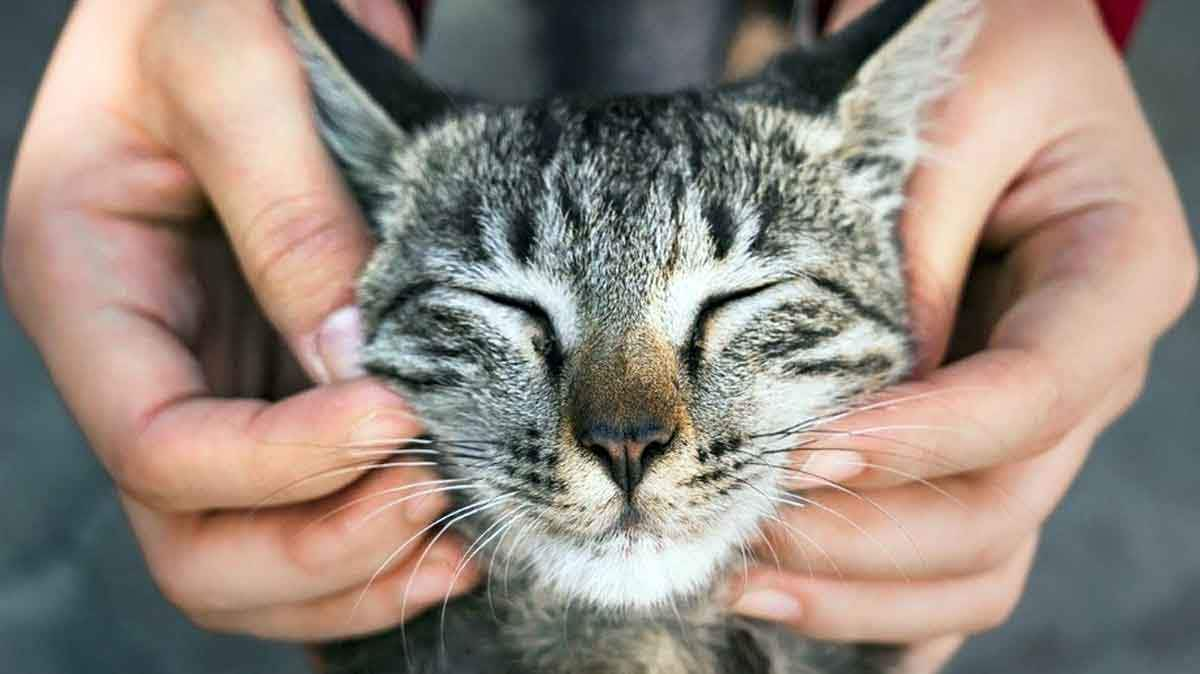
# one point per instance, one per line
(627, 452)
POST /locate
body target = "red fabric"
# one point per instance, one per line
(1120, 16)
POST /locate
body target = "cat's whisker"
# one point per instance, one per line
(393, 452)
(837, 486)
(904, 474)
(524, 531)
(924, 451)
(506, 519)
(683, 630)
(359, 467)
(809, 539)
(450, 520)
(867, 432)
(492, 563)
(566, 633)
(888, 403)
(765, 539)
(345, 446)
(392, 504)
(385, 492)
(793, 499)
(745, 563)
(927, 457)
(919, 459)
(769, 514)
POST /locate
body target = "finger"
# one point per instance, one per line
(941, 240)
(204, 453)
(916, 611)
(963, 417)
(955, 526)
(392, 599)
(1091, 229)
(298, 553)
(250, 137)
(163, 438)
(1084, 148)
(389, 21)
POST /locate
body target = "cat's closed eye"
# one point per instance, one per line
(692, 349)
(544, 337)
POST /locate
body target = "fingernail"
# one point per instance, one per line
(825, 466)
(339, 345)
(769, 605)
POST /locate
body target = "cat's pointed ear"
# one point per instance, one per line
(368, 99)
(878, 74)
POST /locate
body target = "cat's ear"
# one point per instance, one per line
(879, 74)
(368, 99)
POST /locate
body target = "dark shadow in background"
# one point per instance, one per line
(1116, 589)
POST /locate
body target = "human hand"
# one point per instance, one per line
(152, 113)
(1048, 210)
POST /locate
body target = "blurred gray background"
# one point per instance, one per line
(1116, 589)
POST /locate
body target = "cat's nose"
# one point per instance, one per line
(627, 452)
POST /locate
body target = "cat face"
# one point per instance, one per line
(610, 313)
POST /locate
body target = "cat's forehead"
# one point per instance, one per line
(644, 187)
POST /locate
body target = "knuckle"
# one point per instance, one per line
(1189, 278)
(147, 473)
(1171, 258)
(316, 551)
(996, 613)
(139, 474)
(24, 255)
(1005, 589)
(997, 550)
(1136, 385)
(995, 609)
(209, 621)
(169, 574)
(288, 239)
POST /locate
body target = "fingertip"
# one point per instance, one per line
(766, 594)
(770, 604)
(388, 21)
(445, 573)
(337, 346)
(380, 417)
(830, 467)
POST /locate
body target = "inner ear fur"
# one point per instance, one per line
(879, 73)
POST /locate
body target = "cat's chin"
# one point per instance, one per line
(636, 573)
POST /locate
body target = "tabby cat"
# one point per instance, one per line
(614, 313)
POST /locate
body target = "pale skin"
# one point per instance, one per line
(139, 307)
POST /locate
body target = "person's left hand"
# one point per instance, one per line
(1050, 211)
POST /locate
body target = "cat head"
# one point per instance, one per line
(613, 314)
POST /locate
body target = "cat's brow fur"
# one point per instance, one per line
(720, 263)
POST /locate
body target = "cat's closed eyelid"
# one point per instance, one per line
(692, 349)
(550, 345)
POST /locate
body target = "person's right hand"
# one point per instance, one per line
(154, 117)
